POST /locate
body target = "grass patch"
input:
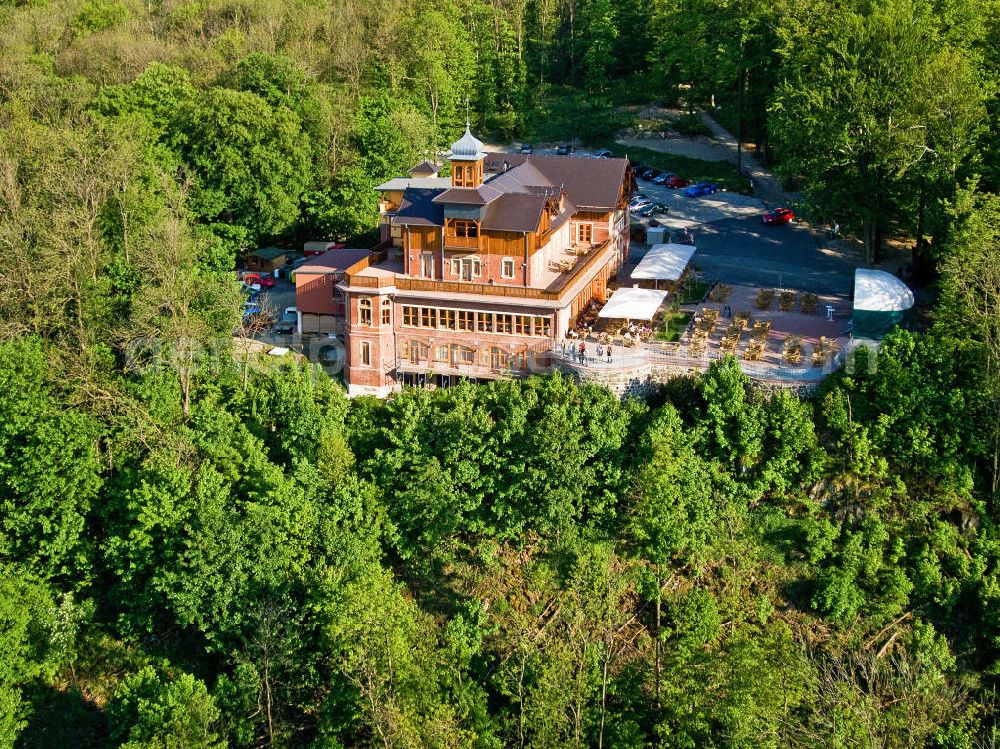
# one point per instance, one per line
(673, 326)
(694, 291)
(721, 172)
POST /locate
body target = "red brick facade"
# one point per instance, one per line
(477, 279)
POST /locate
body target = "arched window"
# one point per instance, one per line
(386, 311)
(365, 311)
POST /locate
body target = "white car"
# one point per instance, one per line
(638, 206)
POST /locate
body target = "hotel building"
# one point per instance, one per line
(476, 274)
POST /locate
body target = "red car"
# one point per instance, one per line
(313, 252)
(265, 280)
(779, 216)
(675, 182)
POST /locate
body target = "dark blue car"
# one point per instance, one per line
(702, 188)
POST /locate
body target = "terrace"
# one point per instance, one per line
(776, 335)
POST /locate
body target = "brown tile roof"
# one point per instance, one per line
(514, 199)
(589, 183)
(494, 161)
(514, 212)
(425, 167)
(332, 261)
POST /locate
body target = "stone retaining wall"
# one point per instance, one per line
(643, 380)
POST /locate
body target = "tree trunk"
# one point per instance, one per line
(739, 114)
(267, 701)
(921, 262)
(604, 697)
(659, 600)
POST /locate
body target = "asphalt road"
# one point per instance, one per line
(735, 246)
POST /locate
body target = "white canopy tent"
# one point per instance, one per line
(881, 301)
(633, 304)
(878, 291)
(664, 262)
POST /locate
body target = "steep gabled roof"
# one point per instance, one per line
(494, 161)
(514, 212)
(589, 183)
(514, 200)
(424, 168)
(417, 208)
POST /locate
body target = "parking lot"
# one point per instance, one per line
(735, 246)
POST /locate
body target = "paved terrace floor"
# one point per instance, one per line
(809, 328)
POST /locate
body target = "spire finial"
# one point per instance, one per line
(467, 114)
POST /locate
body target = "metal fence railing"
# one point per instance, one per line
(567, 353)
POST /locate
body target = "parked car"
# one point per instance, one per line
(662, 177)
(702, 188)
(260, 279)
(636, 198)
(317, 251)
(674, 182)
(637, 169)
(682, 236)
(603, 153)
(640, 205)
(288, 322)
(526, 148)
(779, 216)
(651, 209)
(564, 150)
(649, 174)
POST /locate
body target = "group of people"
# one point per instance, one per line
(579, 353)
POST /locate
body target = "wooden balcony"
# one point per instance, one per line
(595, 257)
(461, 243)
(553, 293)
(377, 255)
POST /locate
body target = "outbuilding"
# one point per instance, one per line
(266, 259)
(881, 302)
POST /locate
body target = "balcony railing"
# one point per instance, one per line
(567, 354)
(406, 283)
(377, 255)
(461, 243)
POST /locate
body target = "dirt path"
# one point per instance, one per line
(720, 147)
(765, 185)
(704, 149)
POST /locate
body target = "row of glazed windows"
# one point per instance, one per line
(455, 355)
(479, 322)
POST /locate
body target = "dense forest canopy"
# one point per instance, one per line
(198, 550)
